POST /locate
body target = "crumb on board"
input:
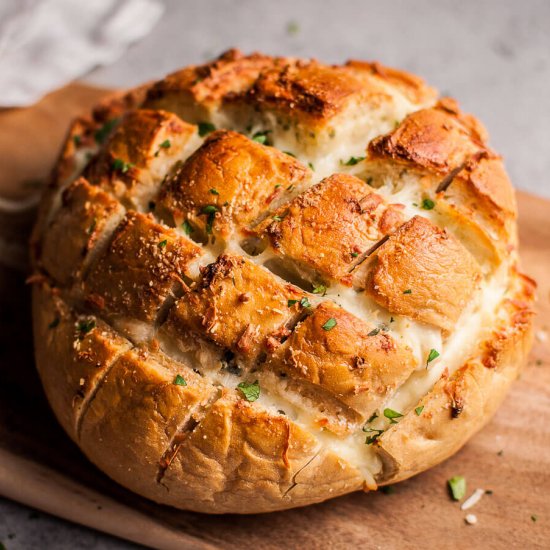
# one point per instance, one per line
(473, 499)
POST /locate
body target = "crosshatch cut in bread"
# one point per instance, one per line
(264, 282)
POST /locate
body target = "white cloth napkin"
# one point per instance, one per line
(45, 44)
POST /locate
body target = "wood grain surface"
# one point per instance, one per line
(41, 467)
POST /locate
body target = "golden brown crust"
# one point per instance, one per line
(85, 215)
(81, 136)
(195, 91)
(139, 154)
(356, 363)
(74, 352)
(424, 273)
(483, 191)
(309, 91)
(143, 265)
(349, 215)
(237, 305)
(87, 133)
(252, 464)
(195, 374)
(431, 139)
(466, 175)
(228, 183)
(138, 394)
(513, 332)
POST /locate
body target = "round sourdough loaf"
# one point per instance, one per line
(264, 282)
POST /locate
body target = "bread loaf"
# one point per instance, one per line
(265, 282)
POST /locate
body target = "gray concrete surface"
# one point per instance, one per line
(493, 55)
(27, 529)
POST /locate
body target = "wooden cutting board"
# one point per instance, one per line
(41, 467)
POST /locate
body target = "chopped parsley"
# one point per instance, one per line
(408, 291)
(373, 438)
(210, 210)
(260, 137)
(205, 128)
(310, 164)
(304, 302)
(179, 380)
(251, 392)
(534, 518)
(434, 354)
(419, 410)
(457, 486)
(187, 227)
(214, 191)
(54, 323)
(77, 140)
(352, 161)
(354, 254)
(374, 332)
(372, 417)
(101, 135)
(375, 434)
(280, 218)
(120, 166)
(164, 145)
(289, 154)
(329, 324)
(163, 244)
(319, 289)
(84, 327)
(428, 204)
(392, 415)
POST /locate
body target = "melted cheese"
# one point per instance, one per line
(350, 448)
(474, 322)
